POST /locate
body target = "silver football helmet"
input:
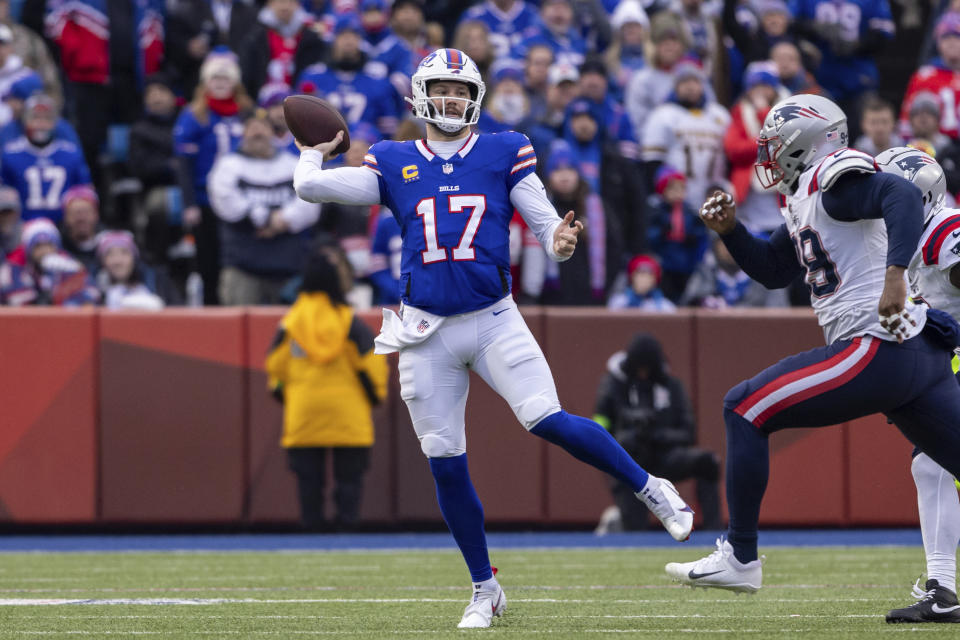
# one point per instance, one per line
(797, 132)
(920, 169)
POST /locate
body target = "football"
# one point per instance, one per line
(312, 120)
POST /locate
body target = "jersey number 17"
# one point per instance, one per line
(427, 209)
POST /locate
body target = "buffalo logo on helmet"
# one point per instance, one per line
(912, 164)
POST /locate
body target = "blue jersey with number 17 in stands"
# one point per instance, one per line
(454, 217)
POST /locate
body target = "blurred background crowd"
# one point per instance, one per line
(144, 160)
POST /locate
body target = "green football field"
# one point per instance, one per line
(821, 592)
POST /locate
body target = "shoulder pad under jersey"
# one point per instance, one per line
(845, 161)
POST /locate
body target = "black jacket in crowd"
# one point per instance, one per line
(647, 416)
(190, 18)
(151, 151)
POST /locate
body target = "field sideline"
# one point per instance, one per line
(572, 592)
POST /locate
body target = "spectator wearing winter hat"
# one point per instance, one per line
(40, 165)
(348, 75)
(11, 224)
(271, 99)
(263, 224)
(626, 54)
(42, 273)
(210, 126)
(878, 123)
(280, 46)
(643, 287)
(594, 86)
(107, 49)
(197, 27)
(848, 42)
(687, 132)
(124, 281)
(771, 26)
(674, 230)
(757, 208)
(25, 86)
(508, 108)
(562, 89)
(651, 86)
(719, 283)
(34, 52)
(375, 20)
(924, 124)
(938, 76)
(583, 280)
(81, 224)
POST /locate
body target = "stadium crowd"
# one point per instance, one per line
(145, 161)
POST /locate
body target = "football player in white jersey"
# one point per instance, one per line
(453, 195)
(934, 275)
(854, 229)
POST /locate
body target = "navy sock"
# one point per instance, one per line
(587, 441)
(748, 467)
(462, 512)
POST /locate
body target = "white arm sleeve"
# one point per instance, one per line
(530, 198)
(346, 185)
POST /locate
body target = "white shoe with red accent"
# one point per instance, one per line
(485, 605)
(662, 498)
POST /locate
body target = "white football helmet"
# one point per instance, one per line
(447, 64)
(920, 169)
(797, 132)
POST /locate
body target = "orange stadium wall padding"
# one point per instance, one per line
(48, 416)
(880, 488)
(172, 416)
(578, 344)
(272, 486)
(124, 417)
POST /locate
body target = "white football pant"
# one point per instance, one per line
(496, 343)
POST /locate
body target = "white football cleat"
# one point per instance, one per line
(662, 499)
(720, 570)
(482, 609)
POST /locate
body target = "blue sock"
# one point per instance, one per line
(587, 441)
(462, 512)
(748, 467)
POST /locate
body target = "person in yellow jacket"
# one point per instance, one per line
(322, 367)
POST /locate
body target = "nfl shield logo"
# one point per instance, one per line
(448, 168)
(423, 326)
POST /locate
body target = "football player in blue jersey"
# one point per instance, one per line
(453, 195)
(40, 165)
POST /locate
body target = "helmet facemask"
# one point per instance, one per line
(768, 171)
(438, 67)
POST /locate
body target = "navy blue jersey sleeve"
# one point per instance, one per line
(773, 263)
(881, 195)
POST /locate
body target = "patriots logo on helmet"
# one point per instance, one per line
(912, 164)
(789, 112)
